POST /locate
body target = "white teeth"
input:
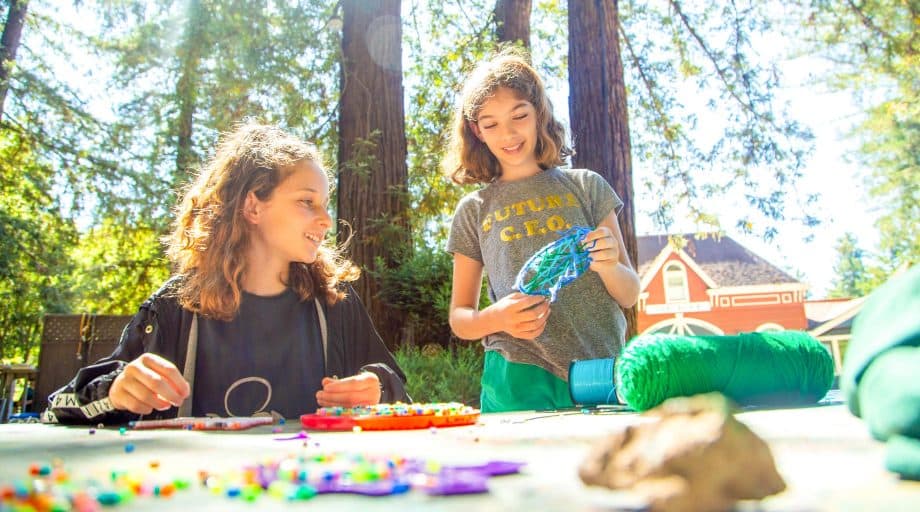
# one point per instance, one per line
(312, 237)
(513, 148)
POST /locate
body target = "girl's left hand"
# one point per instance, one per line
(361, 389)
(603, 247)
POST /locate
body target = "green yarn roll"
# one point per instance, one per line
(763, 368)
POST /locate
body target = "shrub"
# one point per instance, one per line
(420, 287)
(436, 374)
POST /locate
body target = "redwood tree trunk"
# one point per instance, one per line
(513, 20)
(12, 32)
(373, 174)
(597, 106)
(187, 87)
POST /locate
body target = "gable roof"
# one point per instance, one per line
(724, 260)
(832, 316)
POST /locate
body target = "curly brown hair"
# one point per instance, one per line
(210, 235)
(468, 159)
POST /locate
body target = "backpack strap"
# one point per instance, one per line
(321, 315)
(191, 355)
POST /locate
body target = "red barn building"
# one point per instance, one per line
(714, 286)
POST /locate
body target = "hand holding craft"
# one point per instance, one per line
(361, 389)
(603, 249)
(147, 383)
(522, 316)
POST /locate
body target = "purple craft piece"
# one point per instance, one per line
(492, 468)
(468, 479)
(451, 482)
(378, 488)
(300, 435)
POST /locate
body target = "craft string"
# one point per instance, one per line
(591, 382)
(555, 265)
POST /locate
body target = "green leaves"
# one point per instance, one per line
(436, 374)
(33, 240)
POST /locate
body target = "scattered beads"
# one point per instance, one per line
(395, 416)
(49, 488)
(303, 477)
(399, 409)
(292, 478)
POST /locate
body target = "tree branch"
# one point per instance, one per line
(720, 71)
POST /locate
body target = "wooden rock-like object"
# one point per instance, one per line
(694, 455)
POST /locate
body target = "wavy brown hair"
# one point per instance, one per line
(468, 159)
(210, 234)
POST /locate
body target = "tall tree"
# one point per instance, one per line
(190, 54)
(851, 276)
(9, 43)
(512, 19)
(192, 69)
(373, 176)
(597, 103)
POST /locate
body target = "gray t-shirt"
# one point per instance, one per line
(504, 223)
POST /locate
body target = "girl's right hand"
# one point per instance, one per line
(522, 316)
(147, 383)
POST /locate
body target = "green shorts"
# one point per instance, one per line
(510, 386)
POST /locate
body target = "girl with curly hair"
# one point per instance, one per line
(259, 317)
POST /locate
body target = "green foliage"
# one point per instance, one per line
(45, 107)
(117, 267)
(33, 242)
(435, 374)
(850, 269)
(440, 50)
(892, 150)
(874, 46)
(700, 65)
(212, 64)
(420, 287)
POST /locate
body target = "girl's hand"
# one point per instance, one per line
(522, 316)
(361, 389)
(147, 383)
(604, 249)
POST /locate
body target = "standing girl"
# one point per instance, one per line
(505, 137)
(259, 317)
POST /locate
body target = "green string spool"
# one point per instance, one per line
(761, 368)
